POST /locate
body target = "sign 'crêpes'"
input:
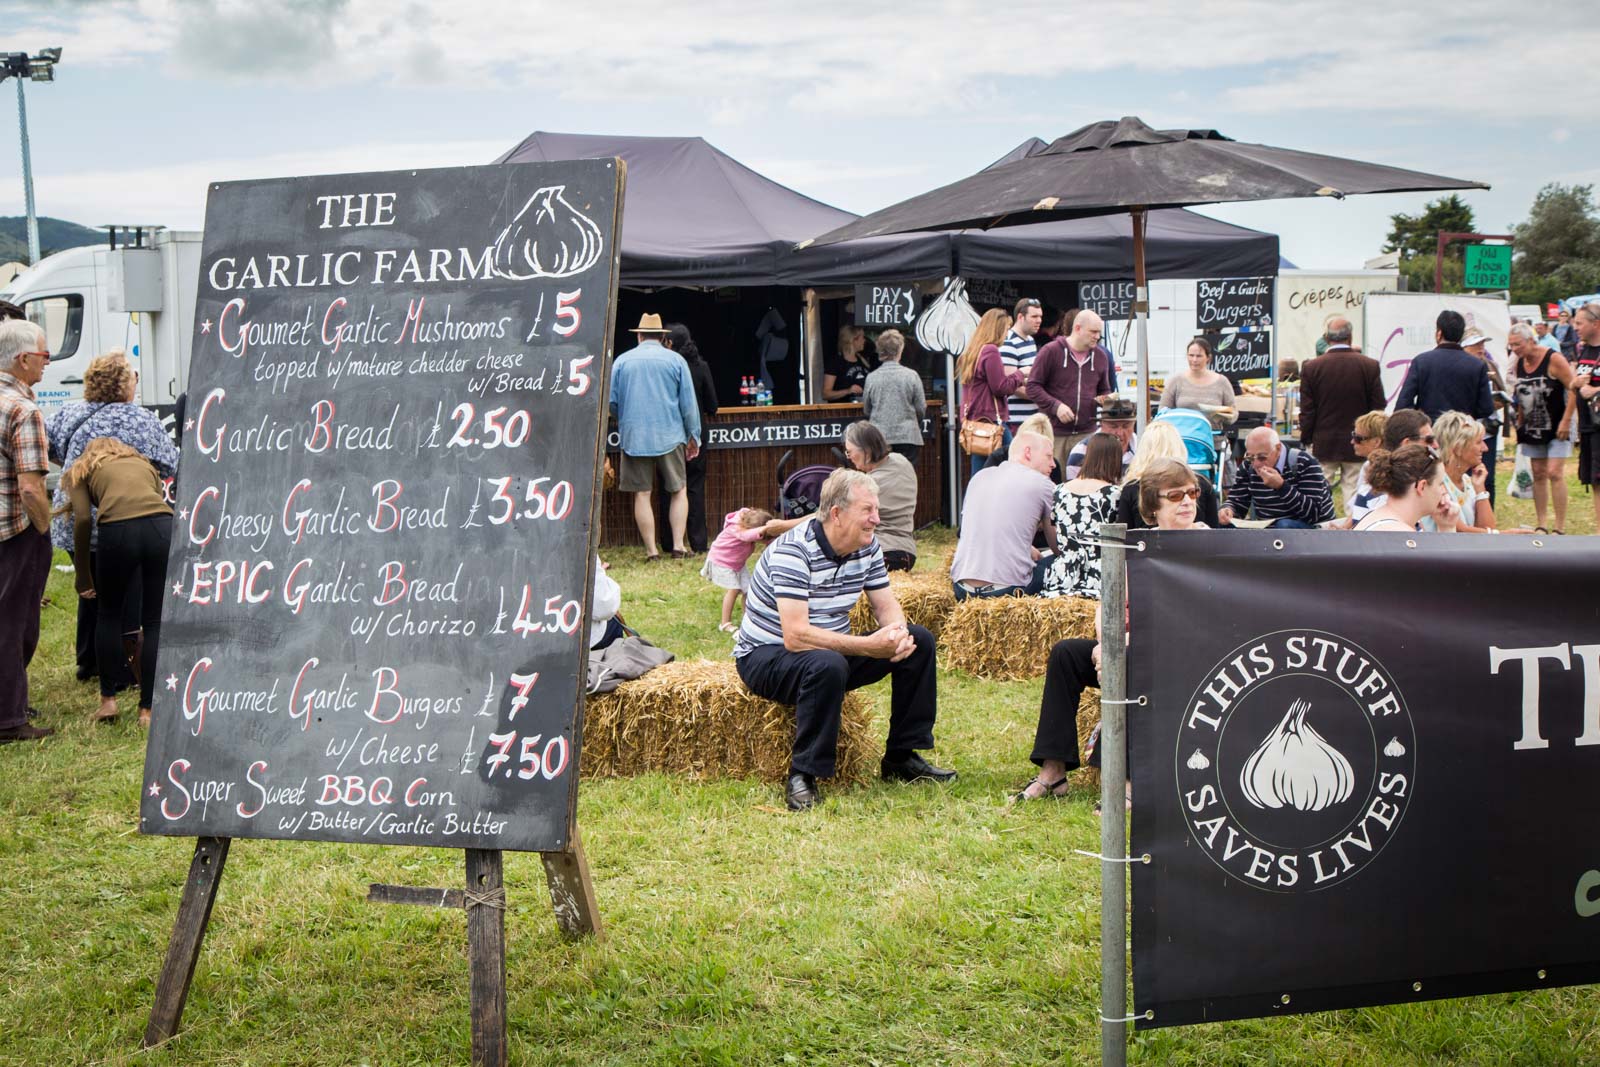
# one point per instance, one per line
(374, 630)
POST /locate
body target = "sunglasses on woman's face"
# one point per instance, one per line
(1357, 439)
(1177, 496)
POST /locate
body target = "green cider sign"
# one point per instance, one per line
(1488, 267)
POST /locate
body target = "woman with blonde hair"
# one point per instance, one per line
(1161, 442)
(110, 385)
(1462, 442)
(985, 385)
(844, 377)
(114, 489)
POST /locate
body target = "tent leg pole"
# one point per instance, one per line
(1113, 772)
(1141, 321)
(953, 450)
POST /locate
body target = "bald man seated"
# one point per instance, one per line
(1277, 484)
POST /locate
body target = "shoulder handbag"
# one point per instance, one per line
(980, 437)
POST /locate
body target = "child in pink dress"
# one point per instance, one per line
(728, 559)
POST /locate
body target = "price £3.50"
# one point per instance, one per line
(542, 500)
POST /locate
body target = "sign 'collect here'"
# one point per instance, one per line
(375, 624)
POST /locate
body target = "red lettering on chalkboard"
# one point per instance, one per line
(380, 522)
(300, 516)
(249, 776)
(394, 583)
(524, 685)
(580, 381)
(321, 426)
(413, 319)
(523, 624)
(335, 340)
(384, 681)
(232, 310)
(411, 799)
(565, 310)
(176, 767)
(210, 492)
(295, 595)
(214, 449)
(195, 710)
(301, 709)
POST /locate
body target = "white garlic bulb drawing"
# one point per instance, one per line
(947, 324)
(1296, 767)
(549, 238)
(1394, 748)
(1198, 761)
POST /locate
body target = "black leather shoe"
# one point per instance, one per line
(26, 732)
(914, 769)
(801, 792)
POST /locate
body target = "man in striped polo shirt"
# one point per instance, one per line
(1281, 484)
(1017, 353)
(795, 646)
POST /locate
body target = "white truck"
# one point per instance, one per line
(138, 295)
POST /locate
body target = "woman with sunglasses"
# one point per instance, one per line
(1412, 481)
(1408, 426)
(1168, 499)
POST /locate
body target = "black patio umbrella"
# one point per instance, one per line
(1110, 167)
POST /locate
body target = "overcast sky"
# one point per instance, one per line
(859, 105)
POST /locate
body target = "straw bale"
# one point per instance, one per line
(1086, 777)
(697, 719)
(949, 559)
(925, 597)
(1009, 638)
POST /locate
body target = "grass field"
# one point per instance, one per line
(899, 924)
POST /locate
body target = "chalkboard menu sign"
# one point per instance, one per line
(1109, 300)
(1243, 354)
(1228, 303)
(382, 552)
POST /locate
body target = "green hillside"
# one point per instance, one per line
(54, 235)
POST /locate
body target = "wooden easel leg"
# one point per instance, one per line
(572, 891)
(486, 956)
(188, 931)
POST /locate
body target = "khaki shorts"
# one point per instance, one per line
(638, 472)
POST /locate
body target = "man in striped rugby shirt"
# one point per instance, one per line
(795, 645)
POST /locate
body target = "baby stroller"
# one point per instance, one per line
(800, 492)
(1200, 440)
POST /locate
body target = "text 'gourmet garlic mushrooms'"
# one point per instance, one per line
(549, 238)
(1295, 767)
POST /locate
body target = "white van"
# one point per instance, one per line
(138, 297)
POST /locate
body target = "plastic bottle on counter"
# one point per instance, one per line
(744, 390)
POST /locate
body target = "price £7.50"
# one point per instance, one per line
(531, 761)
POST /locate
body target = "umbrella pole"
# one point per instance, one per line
(1141, 322)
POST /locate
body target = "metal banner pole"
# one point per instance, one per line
(951, 432)
(1113, 775)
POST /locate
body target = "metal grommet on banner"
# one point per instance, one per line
(1537, 543)
(1410, 543)
(1278, 545)
(1137, 546)
(1147, 1016)
(1541, 974)
(1144, 858)
(1284, 1000)
(1142, 701)
(1416, 987)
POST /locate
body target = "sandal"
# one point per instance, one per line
(728, 627)
(1540, 529)
(1048, 794)
(679, 553)
(653, 558)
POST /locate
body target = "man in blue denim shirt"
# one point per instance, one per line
(652, 396)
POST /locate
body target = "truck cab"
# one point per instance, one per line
(138, 297)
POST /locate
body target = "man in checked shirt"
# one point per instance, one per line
(24, 521)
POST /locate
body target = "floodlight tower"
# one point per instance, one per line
(39, 68)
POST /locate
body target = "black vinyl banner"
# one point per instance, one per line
(1365, 775)
(382, 551)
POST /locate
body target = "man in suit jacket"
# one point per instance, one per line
(1446, 378)
(1337, 388)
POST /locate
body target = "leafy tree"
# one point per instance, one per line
(1418, 273)
(1561, 229)
(1418, 235)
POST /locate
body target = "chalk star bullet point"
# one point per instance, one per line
(205, 327)
(188, 424)
(155, 790)
(177, 588)
(183, 513)
(172, 681)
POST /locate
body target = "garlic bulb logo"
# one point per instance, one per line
(1394, 748)
(1296, 767)
(1198, 761)
(549, 238)
(947, 323)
